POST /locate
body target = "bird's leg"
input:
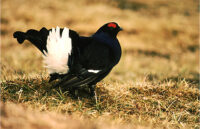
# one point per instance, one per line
(74, 92)
(92, 90)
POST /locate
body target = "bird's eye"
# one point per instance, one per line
(113, 25)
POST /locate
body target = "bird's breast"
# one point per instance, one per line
(112, 43)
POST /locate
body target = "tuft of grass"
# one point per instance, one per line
(155, 85)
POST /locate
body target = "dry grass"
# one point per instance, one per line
(154, 85)
(18, 117)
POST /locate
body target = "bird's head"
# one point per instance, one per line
(110, 28)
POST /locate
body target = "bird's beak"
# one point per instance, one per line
(120, 29)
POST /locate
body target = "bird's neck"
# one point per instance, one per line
(113, 43)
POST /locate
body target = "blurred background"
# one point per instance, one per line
(160, 37)
(155, 83)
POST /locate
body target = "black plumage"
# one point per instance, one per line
(91, 58)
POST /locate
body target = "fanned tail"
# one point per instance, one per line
(59, 47)
(37, 38)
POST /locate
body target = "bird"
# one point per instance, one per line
(76, 61)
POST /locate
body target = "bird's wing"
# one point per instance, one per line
(96, 61)
(85, 77)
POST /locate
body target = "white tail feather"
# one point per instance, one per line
(58, 50)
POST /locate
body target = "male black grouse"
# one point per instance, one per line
(76, 60)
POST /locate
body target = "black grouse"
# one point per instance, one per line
(76, 60)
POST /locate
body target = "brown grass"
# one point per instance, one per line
(18, 117)
(154, 85)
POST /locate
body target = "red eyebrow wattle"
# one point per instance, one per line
(112, 25)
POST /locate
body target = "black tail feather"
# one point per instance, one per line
(37, 38)
(21, 36)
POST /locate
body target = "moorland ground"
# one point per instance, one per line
(155, 85)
